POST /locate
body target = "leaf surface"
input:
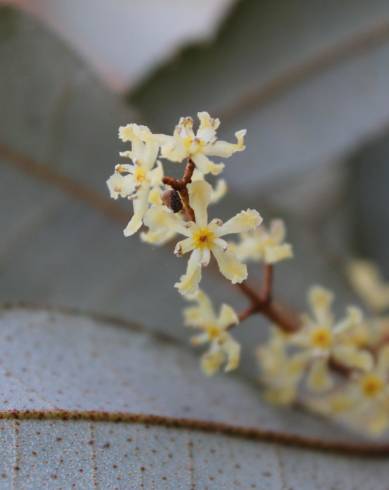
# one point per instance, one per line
(100, 403)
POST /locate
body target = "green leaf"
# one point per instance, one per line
(308, 80)
(97, 404)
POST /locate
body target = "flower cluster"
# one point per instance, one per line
(339, 368)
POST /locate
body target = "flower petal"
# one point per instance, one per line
(160, 218)
(189, 282)
(207, 128)
(211, 362)
(224, 149)
(172, 147)
(150, 153)
(158, 237)
(156, 175)
(207, 166)
(227, 317)
(219, 191)
(199, 339)
(319, 379)
(205, 257)
(353, 357)
(140, 207)
(232, 349)
(201, 314)
(229, 265)
(120, 185)
(277, 253)
(155, 196)
(241, 222)
(277, 230)
(199, 198)
(282, 396)
(321, 301)
(183, 247)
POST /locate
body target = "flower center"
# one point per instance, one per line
(203, 238)
(321, 337)
(372, 385)
(193, 145)
(213, 332)
(140, 175)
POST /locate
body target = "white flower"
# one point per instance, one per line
(200, 145)
(323, 339)
(143, 177)
(214, 329)
(264, 244)
(203, 238)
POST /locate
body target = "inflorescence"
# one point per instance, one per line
(337, 367)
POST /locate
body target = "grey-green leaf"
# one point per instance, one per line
(90, 403)
(308, 79)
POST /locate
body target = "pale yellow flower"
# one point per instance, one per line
(366, 397)
(214, 330)
(140, 180)
(368, 282)
(161, 235)
(185, 143)
(203, 238)
(323, 339)
(265, 244)
(281, 372)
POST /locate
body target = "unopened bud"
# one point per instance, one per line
(172, 200)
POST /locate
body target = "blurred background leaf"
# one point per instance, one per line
(308, 79)
(122, 39)
(368, 190)
(91, 403)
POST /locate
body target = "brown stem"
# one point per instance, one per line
(188, 210)
(246, 313)
(263, 303)
(339, 368)
(188, 172)
(180, 185)
(267, 289)
(286, 320)
(249, 292)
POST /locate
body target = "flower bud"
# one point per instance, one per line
(172, 200)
